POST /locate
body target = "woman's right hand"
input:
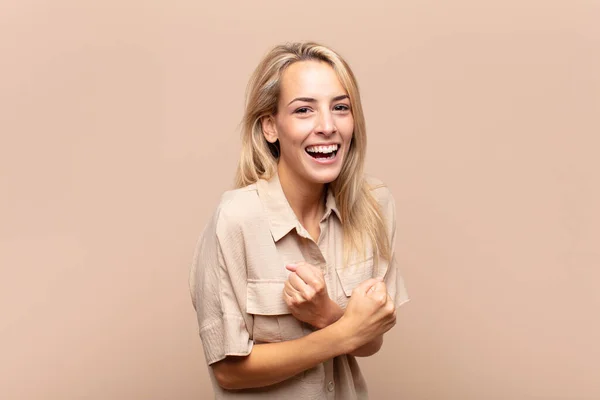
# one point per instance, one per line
(370, 312)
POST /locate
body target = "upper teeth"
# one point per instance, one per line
(322, 149)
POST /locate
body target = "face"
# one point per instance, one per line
(314, 123)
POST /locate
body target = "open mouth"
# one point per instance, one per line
(323, 153)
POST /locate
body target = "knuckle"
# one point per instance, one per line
(390, 308)
(309, 293)
(319, 286)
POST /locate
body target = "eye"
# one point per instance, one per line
(302, 110)
(341, 107)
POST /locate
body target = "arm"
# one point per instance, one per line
(370, 313)
(334, 313)
(271, 363)
(306, 294)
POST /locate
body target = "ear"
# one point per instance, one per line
(269, 129)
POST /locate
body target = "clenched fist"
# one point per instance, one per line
(370, 312)
(305, 293)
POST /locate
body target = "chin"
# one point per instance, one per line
(323, 177)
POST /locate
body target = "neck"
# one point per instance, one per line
(305, 198)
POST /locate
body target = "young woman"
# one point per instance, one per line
(295, 276)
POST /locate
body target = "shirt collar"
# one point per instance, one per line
(279, 212)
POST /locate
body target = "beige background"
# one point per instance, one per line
(118, 124)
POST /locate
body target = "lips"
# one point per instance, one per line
(323, 152)
(323, 155)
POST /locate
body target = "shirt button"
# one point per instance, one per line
(330, 386)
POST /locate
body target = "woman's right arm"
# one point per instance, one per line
(369, 314)
(270, 363)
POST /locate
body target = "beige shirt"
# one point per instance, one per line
(238, 275)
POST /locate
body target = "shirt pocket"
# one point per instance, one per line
(273, 320)
(353, 275)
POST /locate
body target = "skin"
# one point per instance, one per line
(369, 314)
(313, 109)
(299, 123)
(305, 293)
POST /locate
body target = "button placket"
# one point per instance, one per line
(330, 386)
(315, 255)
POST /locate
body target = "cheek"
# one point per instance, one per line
(346, 128)
(288, 145)
(293, 133)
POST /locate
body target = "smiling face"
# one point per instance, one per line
(314, 123)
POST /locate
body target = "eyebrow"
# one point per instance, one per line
(311, 100)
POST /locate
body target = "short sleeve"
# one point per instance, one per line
(216, 295)
(395, 284)
(393, 279)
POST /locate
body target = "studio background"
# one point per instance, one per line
(119, 132)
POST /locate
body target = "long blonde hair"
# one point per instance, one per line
(362, 220)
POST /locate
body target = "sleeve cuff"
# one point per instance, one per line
(225, 337)
(395, 285)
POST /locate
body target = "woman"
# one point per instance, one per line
(294, 276)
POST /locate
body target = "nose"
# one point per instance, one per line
(325, 123)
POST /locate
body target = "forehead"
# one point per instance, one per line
(315, 79)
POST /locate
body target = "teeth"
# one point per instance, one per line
(322, 149)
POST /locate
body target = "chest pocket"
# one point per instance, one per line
(352, 276)
(273, 321)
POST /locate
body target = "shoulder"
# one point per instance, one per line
(384, 197)
(238, 208)
(239, 202)
(380, 191)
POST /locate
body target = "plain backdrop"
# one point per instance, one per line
(119, 132)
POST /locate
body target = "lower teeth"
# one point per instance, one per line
(327, 157)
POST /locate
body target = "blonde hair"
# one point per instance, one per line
(362, 219)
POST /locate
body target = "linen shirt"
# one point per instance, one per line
(238, 274)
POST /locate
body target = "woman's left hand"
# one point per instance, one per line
(305, 293)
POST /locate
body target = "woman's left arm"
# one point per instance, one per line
(305, 293)
(368, 349)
